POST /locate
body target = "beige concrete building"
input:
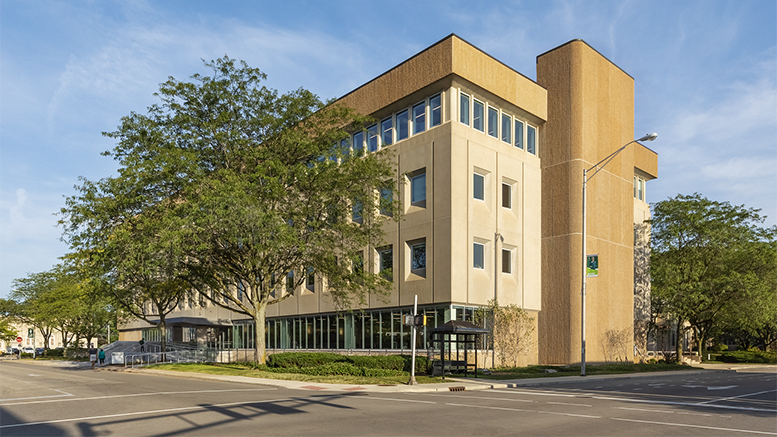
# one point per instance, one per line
(491, 163)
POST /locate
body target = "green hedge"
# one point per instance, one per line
(749, 356)
(324, 363)
(54, 353)
(303, 359)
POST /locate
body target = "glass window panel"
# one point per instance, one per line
(332, 331)
(635, 187)
(310, 280)
(357, 208)
(402, 125)
(507, 261)
(386, 260)
(290, 282)
(464, 108)
(639, 189)
(396, 328)
(435, 109)
(372, 138)
(507, 196)
(385, 326)
(478, 255)
(358, 143)
(418, 256)
(387, 131)
(519, 134)
(477, 116)
(531, 139)
(419, 118)
(507, 123)
(386, 198)
(478, 188)
(418, 188)
(493, 122)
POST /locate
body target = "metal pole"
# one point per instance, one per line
(412, 368)
(582, 293)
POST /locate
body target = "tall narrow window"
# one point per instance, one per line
(640, 192)
(507, 123)
(357, 263)
(386, 199)
(310, 279)
(478, 256)
(418, 188)
(402, 125)
(419, 118)
(387, 132)
(372, 138)
(358, 143)
(386, 262)
(478, 186)
(478, 121)
(418, 258)
(507, 261)
(290, 282)
(345, 146)
(357, 209)
(435, 110)
(518, 134)
(240, 289)
(464, 108)
(531, 139)
(507, 196)
(493, 122)
(635, 187)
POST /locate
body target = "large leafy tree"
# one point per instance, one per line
(241, 192)
(708, 259)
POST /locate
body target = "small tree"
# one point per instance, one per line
(707, 256)
(511, 330)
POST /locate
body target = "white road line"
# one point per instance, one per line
(138, 413)
(740, 396)
(540, 393)
(669, 412)
(3, 404)
(38, 397)
(696, 426)
(477, 397)
(526, 411)
(567, 403)
(398, 400)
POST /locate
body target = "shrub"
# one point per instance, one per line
(303, 359)
(749, 356)
(388, 362)
(54, 353)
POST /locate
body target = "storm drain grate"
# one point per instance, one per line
(456, 388)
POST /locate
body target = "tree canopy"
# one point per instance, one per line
(710, 261)
(234, 190)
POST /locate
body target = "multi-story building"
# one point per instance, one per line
(492, 164)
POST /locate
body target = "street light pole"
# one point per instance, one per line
(598, 166)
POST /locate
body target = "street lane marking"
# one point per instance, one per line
(38, 397)
(740, 396)
(567, 403)
(398, 400)
(137, 413)
(669, 412)
(696, 426)
(2, 401)
(477, 397)
(527, 411)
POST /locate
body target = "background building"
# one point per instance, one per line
(491, 163)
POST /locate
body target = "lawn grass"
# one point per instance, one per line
(590, 369)
(239, 369)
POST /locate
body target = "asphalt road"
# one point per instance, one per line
(43, 400)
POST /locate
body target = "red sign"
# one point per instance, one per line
(18, 339)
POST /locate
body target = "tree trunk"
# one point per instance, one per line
(679, 344)
(260, 351)
(162, 326)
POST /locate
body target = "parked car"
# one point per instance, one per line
(28, 350)
(39, 350)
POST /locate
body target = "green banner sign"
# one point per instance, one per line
(592, 265)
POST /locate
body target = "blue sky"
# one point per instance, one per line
(705, 79)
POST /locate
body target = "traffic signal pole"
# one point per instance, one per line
(413, 340)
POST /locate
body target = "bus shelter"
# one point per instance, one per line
(462, 335)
